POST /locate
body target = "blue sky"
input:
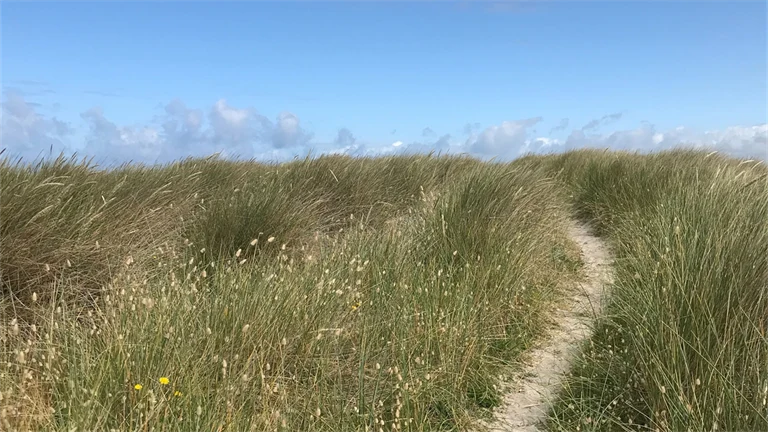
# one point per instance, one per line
(161, 80)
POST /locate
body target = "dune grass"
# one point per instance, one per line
(377, 294)
(323, 294)
(682, 344)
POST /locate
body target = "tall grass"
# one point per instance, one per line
(682, 345)
(63, 217)
(323, 294)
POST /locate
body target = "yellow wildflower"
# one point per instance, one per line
(138, 387)
(177, 393)
(164, 380)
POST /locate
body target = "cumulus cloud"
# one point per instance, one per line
(750, 141)
(346, 143)
(229, 131)
(236, 131)
(180, 131)
(288, 132)
(344, 138)
(29, 134)
(182, 126)
(505, 140)
(739, 141)
(110, 142)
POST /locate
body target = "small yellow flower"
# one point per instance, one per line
(178, 393)
(355, 306)
(164, 380)
(138, 387)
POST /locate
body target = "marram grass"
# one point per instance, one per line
(326, 294)
(377, 294)
(682, 345)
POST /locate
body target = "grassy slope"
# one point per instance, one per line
(327, 294)
(682, 345)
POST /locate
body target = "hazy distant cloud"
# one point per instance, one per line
(561, 126)
(26, 133)
(443, 142)
(182, 120)
(505, 140)
(512, 139)
(102, 93)
(288, 132)
(179, 131)
(606, 119)
(441, 145)
(345, 143)
(182, 128)
(749, 141)
(18, 103)
(31, 83)
(120, 143)
(344, 138)
(27, 92)
(739, 141)
(471, 128)
(28, 88)
(235, 132)
(182, 132)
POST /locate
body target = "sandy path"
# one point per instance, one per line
(526, 403)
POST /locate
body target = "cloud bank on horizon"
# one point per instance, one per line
(242, 133)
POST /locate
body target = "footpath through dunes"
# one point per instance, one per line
(534, 387)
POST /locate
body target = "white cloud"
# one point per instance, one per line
(29, 134)
(231, 131)
(232, 116)
(506, 140)
(288, 132)
(739, 141)
(346, 143)
(108, 141)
